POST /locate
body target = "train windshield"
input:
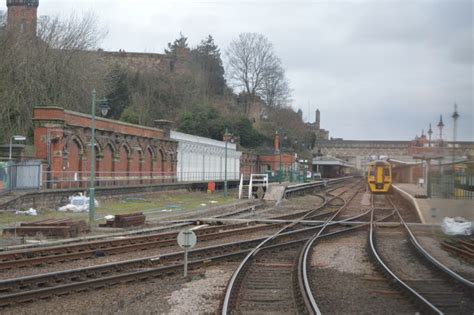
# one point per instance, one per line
(371, 171)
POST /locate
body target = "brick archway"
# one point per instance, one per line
(123, 165)
(148, 165)
(107, 164)
(74, 151)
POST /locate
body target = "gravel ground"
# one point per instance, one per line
(203, 295)
(200, 294)
(357, 205)
(288, 206)
(345, 282)
(433, 246)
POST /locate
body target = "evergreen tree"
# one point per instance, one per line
(180, 44)
(208, 56)
(119, 97)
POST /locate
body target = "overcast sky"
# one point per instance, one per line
(375, 69)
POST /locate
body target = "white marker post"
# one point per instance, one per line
(186, 239)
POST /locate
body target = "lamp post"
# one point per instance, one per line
(103, 108)
(226, 136)
(16, 138)
(455, 117)
(281, 173)
(92, 175)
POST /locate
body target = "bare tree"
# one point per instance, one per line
(249, 59)
(253, 67)
(275, 89)
(72, 33)
(49, 69)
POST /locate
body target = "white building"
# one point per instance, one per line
(203, 159)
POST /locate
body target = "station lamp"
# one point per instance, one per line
(16, 138)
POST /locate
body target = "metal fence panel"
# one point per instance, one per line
(451, 186)
(26, 175)
(4, 186)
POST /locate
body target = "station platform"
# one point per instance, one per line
(434, 210)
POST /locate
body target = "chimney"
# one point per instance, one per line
(276, 143)
(318, 119)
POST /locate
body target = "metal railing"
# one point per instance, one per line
(65, 179)
(451, 186)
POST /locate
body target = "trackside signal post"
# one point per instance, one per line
(186, 240)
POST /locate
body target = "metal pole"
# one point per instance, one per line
(48, 146)
(281, 172)
(10, 170)
(11, 143)
(185, 261)
(225, 165)
(92, 175)
(455, 118)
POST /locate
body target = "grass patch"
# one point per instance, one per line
(172, 202)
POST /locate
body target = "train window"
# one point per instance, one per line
(387, 172)
(371, 172)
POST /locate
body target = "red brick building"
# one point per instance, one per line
(125, 153)
(268, 161)
(22, 16)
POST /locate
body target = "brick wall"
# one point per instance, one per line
(21, 17)
(123, 151)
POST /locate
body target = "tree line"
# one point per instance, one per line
(57, 68)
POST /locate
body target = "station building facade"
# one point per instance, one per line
(124, 153)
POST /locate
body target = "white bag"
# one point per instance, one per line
(456, 226)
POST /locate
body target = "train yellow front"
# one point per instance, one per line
(379, 176)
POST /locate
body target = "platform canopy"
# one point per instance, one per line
(330, 161)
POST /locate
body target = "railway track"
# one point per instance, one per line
(24, 289)
(90, 249)
(435, 287)
(29, 288)
(84, 250)
(265, 281)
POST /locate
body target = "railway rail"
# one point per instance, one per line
(89, 249)
(434, 286)
(270, 267)
(25, 289)
(57, 283)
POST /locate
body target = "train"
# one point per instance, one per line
(379, 176)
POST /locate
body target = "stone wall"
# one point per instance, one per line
(145, 62)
